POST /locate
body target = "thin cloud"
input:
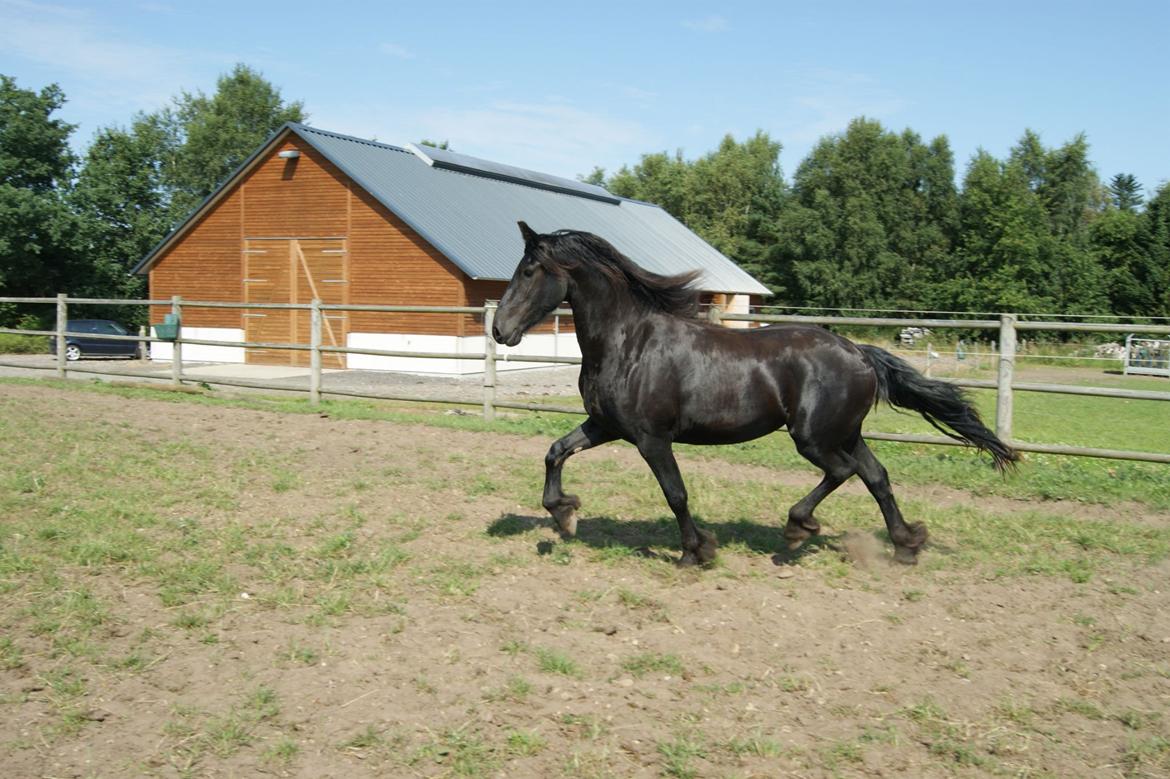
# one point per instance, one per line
(394, 50)
(557, 138)
(551, 136)
(712, 23)
(125, 73)
(828, 100)
(638, 94)
(107, 77)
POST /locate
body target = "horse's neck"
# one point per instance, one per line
(599, 312)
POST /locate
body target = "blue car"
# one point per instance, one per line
(83, 338)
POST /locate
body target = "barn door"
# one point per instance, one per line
(320, 270)
(294, 270)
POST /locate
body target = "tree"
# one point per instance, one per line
(122, 202)
(1151, 275)
(1117, 240)
(595, 177)
(37, 231)
(212, 136)
(658, 178)
(1024, 240)
(736, 194)
(34, 147)
(1125, 192)
(872, 219)
(730, 196)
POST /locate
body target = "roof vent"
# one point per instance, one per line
(449, 160)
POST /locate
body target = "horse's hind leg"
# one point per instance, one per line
(908, 539)
(838, 467)
(564, 507)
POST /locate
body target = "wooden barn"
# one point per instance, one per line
(314, 214)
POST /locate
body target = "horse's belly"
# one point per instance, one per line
(729, 412)
(729, 431)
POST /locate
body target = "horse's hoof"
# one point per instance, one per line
(564, 513)
(703, 554)
(708, 545)
(566, 519)
(797, 532)
(906, 555)
(906, 549)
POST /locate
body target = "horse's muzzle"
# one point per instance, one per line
(511, 339)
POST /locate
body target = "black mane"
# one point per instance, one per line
(569, 249)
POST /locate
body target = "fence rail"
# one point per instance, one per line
(1007, 325)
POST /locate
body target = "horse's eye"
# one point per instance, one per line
(529, 271)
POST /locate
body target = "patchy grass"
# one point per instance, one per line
(421, 602)
(554, 662)
(652, 662)
(1043, 417)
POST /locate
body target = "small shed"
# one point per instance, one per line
(316, 214)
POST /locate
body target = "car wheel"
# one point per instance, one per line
(72, 352)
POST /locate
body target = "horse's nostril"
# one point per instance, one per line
(496, 332)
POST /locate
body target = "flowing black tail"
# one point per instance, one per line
(939, 402)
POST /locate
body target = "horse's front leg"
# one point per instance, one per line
(564, 507)
(698, 546)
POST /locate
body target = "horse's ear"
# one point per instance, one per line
(527, 232)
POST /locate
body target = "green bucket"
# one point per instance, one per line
(169, 329)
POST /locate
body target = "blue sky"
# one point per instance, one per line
(562, 87)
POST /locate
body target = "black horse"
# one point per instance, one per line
(653, 374)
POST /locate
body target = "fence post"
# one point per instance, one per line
(715, 314)
(315, 352)
(177, 346)
(62, 322)
(1003, 387)
(929, 350)
(489, 361)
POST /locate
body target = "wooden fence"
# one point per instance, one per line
(1008, 326)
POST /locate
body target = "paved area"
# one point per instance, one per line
(518, 385)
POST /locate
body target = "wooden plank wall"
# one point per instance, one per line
(205, 266)
(392, 265)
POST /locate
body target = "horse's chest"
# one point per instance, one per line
(619, 395)
(592, 395)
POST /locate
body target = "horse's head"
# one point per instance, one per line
(537, 287)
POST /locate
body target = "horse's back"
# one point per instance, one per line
(828, 383)
(739, 384)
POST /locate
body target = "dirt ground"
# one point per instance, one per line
(494, 649)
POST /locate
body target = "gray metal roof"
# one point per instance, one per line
(468, 208)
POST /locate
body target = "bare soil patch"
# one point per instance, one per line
(488, 647)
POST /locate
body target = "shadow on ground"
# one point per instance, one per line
(642, 536)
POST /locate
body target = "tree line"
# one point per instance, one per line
(872, 219)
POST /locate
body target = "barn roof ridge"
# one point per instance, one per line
(301, 128)
(470, 217)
